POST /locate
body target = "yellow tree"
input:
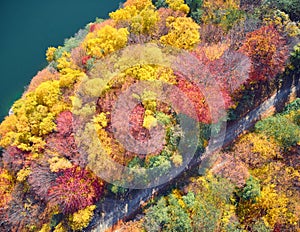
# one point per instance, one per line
(105, 41)
(33, 118)
(6, 187)
(138, 4)
(256, 149)
(178, 5)
(69, 71)
(183, 33)
(140, 18)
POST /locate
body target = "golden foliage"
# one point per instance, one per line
(60, 228)
(33, 118)
(271, 206)
(79, 220)
(225, 13)
(280, 174)
(183, 34)
(58, 163)
(149, 72)
(215, 51)
(69, 72)
(149, 120)
(124, 14)
(283, 23)
(23, 174)
(6, 186)
(178, 5)
(110, 147)
(93, 87)
(149, 101)
(211, 6)
(294, 116)
(47, 94)
(177, 159)
(105, 141)
(105, 41)
(50, 54)
(7, 128)
(138, 4)
(275, 205)
(145, 21)
(256, 149)
(213, 203)
(45, 228)
(101, 120)
(141, 18)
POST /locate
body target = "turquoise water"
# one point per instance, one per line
(28, 28)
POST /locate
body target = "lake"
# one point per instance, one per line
(28, 28)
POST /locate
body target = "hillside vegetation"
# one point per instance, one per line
(128, 102)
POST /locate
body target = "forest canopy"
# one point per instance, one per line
(130, 101)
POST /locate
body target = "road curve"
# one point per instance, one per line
(112, 211)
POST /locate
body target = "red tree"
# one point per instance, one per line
(63, 142)
(75, 189)
(268, 53)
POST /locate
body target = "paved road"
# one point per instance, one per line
(116, 210)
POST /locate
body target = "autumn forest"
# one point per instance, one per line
(131, 102)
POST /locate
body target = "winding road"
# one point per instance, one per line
(111, 211)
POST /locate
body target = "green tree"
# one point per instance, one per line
(281, 129)
(168, 215)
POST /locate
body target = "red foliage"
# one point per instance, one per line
(105, 103)
(194, 94)
(85, 59)
(64, 123)
(231, 70)
(63, 142)
(268, 53)
(207, 91)
(93, 27)
(211, 33)
(200, 54)
(65, 146)
(75, 189)
(136, 124)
